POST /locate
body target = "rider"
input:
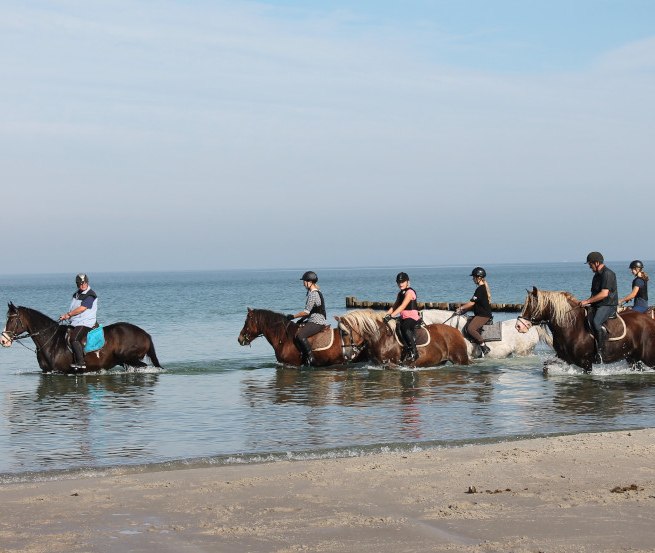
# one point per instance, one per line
(82, 317)
(603, 300)
(407, 307)
(313, 316)
(639, 288)
(481, 304)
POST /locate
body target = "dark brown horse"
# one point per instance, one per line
(446, 343)
(125, 344)
(280, 333)
(572, 339)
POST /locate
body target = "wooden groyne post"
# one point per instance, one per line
(353, 303)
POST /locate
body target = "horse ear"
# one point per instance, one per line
(249, 309)
(534, 290)
(11, 306)
(337, 318)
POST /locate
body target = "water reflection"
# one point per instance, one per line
(83, 419)
(604, 397)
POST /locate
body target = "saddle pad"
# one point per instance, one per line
(421, 333)
(323, 340)
(492, 332)
(95, 340)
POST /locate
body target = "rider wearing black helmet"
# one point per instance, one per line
(481, 305)
(407, 307)
(313, 316)
(639, 288)
(82, 314)
(603, 300)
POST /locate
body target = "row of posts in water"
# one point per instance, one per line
(353, 303)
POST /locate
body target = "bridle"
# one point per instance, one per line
(25, 333)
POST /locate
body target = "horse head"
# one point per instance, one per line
(259, 321)
(13, 327)
(250, 329)
(531, 312)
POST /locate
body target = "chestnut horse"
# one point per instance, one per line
(446, 343)
(572, 339)
(280, 333)
(125, 344)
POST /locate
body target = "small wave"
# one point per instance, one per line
(554, 366)
(272, 457)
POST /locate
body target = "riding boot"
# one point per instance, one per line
(305, 351)
(600, 345)
(413, 352)
(78, 353)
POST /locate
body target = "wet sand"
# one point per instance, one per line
(588, 492)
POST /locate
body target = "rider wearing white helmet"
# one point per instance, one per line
(82, 315)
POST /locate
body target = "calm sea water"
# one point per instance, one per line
(218, 402)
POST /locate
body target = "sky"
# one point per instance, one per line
(190, 135)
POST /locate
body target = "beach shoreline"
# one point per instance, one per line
(583, 492)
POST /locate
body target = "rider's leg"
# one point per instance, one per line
(307, 330)
(473, 328)
(77, 335)
(408, 332)
(599, 318)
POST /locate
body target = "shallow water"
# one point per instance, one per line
(218, 402)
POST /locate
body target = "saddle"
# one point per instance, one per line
(420, 333)
(615, 326)
(491, 332)
(93, 341)
(322, 340)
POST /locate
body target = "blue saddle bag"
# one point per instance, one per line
(95, 339)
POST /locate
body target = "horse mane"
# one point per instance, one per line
(558, 302)
(365, 322)
(267, 317)
(36, 316)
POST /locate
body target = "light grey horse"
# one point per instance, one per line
(512, 344)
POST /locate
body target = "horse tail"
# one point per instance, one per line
(153, 355)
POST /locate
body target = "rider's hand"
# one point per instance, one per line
(290, 317)
(64, 317)
(387, 318)
(457, 312)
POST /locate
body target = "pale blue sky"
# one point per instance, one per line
(209, 134)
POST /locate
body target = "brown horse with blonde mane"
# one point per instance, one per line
(280, 332)
(445, 343)
(632, 334)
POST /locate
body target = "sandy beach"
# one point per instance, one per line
(588, 492)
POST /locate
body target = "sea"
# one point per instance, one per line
(215, 402)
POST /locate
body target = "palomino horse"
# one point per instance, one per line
(328, 348)
(513, 342)
(631, 335)
(125, 344)
(445, 343)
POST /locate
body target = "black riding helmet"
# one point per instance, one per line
(309, 276)
(636, 264)
(81, 278)
(479, 272)
(402, 277)
(595, 257)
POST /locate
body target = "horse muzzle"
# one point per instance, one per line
(244, 340)
(6, 340)
(523, 325)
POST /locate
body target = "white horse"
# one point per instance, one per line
(513, 342)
